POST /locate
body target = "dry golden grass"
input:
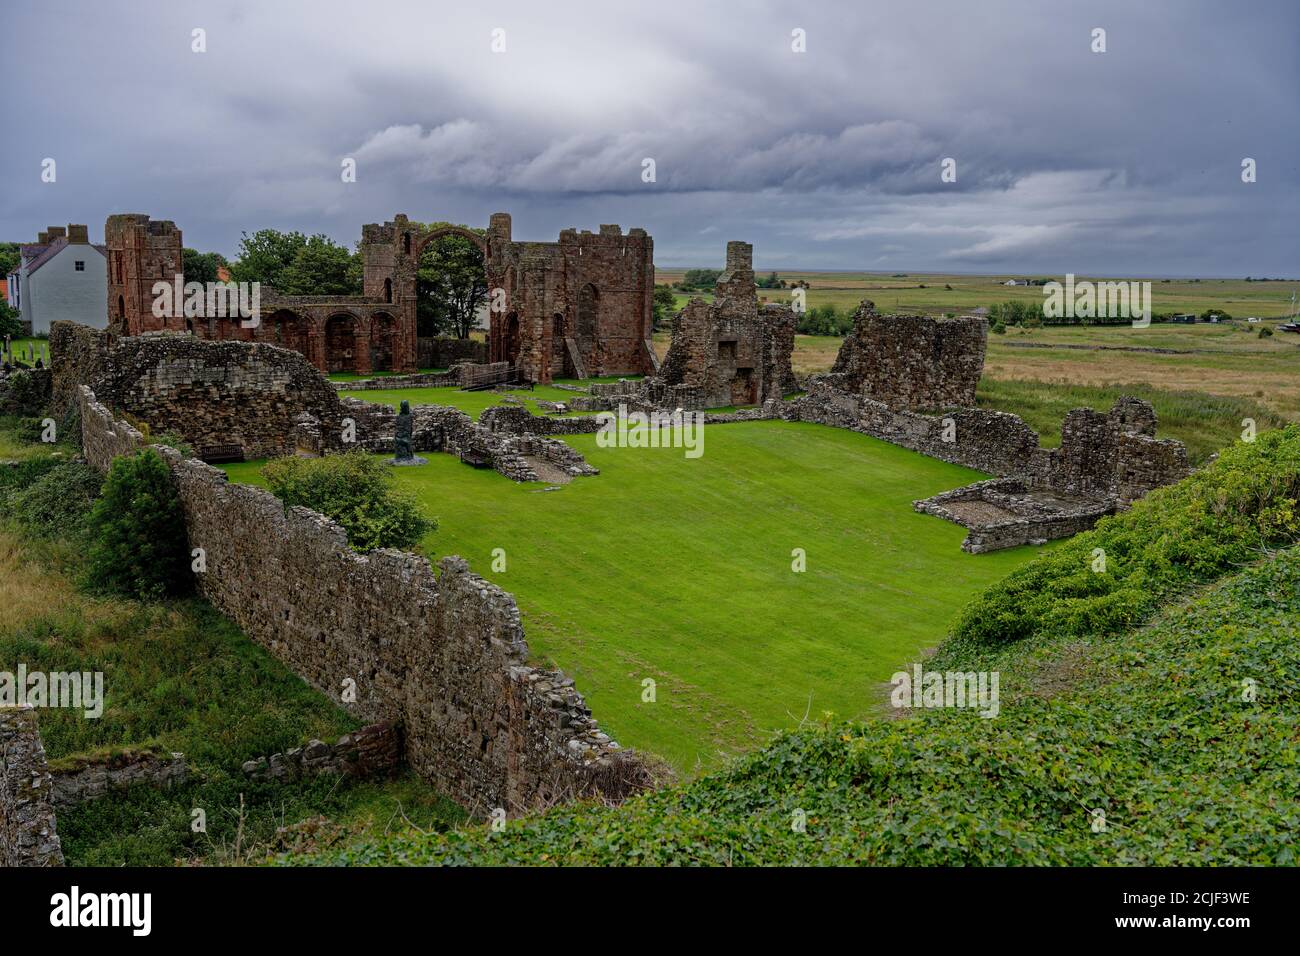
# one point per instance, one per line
(27, 589)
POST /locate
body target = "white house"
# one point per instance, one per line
(61, 276)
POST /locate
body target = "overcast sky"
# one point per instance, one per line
(1126, 162)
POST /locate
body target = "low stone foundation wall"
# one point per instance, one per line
(1105, 461)
(369, 753)
(503, 447)
(988, 441)
(1006, 513)
(437, 352)
(421, 380)
(28, 830)
(92, 778)
(443, 654)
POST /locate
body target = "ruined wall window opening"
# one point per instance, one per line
(406, 243)
(388, 290)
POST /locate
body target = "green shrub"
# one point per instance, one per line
(1265, 333)
(138, 543)
(1191, 532)
(355, 490)
(52, 498)
(20, 475)
(25, 393)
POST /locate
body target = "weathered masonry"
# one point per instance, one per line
(233, 401)
(729, 351)
(578, 307)
(442, 654)
(28, 830)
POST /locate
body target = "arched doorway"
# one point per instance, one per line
(341, 343)
(383, 328)
(291, 331)
(512, 338)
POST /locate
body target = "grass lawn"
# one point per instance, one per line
(680, 571)
(40, 348)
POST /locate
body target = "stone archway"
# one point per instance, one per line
(438, 281)
(341, 343)
(291, 331)
(383, 340)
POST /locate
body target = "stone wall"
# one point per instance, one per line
(227, 400)
(1008, 512)
(1104, 462)
(443, 654)
(444, 353)
(913, 361)
(93, 777)
(366, 754)
(419, 380)
(988, 441)
(78, 356)
(729, 351)
(28, 831)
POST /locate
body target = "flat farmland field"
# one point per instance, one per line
(936, 293)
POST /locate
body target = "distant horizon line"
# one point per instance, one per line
(1008, 275)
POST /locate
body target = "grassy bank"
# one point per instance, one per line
(177, 677)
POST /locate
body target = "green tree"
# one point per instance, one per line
(138, 544)
(700, 279)
(665, 304)
(321, 267)
(9, 258)
(451, 285)
(265, 255)
(201, 266)
(10, 324)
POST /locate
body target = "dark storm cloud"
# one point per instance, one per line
(1067, 160)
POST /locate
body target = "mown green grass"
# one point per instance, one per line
(40, 348)
(1163, 743)
(679, 571)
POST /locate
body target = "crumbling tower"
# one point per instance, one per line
(141, 252)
